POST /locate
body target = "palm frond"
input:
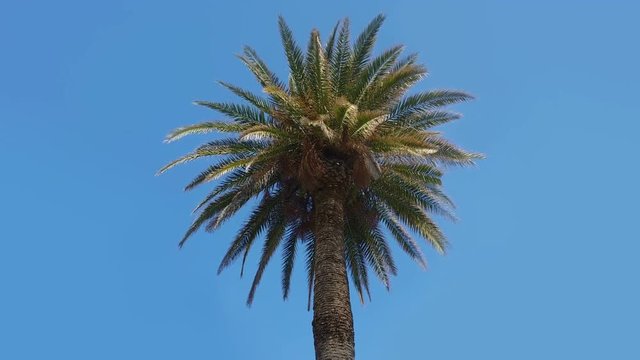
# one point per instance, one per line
(310, 250)
(364, 45)
(208, 213)
(391, 86)
(295, 57)
(316, 74)
(426, 101)
(373, 71)
(277, 225)
(243, 114)
(217, 170)
(257, 176)
(243, 195)
(285, 101)
(262, 132)
(450, 154)
(407, 61)
(259, 69)
(403, 145)
(203, 128)
(346, 114)
(340, 70)
(411, 215)
(364, 219)
(257, 222)
(402, 236)
(376, 251)
(417, 193)
(255, 100)
(428, 119)
(215, 148)
(423, 173)
(330, 47)
(368, 125)
(289, 256)
(355, 262)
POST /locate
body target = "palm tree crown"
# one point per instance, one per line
(341, 107)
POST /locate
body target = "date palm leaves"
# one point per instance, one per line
(339, 104)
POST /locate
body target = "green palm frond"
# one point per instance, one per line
(291, 240)
(260, 132)
(294, 55)
(258, 176)
(217, 170)
(356, 262)
(277, 226)
(331, 41)
(376, 252)
(422, 195)
(421, 173)
(410, 213)
(367, 126)
(317, 82)
(340, 61)
(402, 236)
(208, 213)
(310, 252)
(259, 69)
(373, 71)
(405, 62)
(203, 128)
(426, 101)
(450, 154)
(392, 85)
(243, 114)
(217, 148)
(242, 195)
(408, 145)
(257, 222)
(364, 45)
(235, 178)
(255, 100)
(429, 119)
(285, 101)
(346, 114)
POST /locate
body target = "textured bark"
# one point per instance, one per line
(332, 318)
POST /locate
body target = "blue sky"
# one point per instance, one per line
(543, 262)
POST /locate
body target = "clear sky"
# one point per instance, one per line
(544, 259)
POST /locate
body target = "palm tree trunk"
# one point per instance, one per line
(332, 318)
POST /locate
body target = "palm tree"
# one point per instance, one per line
(334, 155)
